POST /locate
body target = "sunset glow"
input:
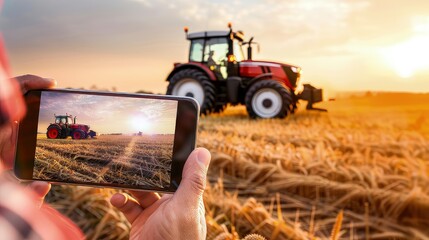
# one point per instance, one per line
(408, 57)
(340, 45)
(412, 55)
(141, 124)
(110, 115)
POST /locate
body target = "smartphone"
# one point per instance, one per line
(104, 139)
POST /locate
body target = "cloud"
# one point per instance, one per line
(132, 44)
(133, 26)
(85, 26)
(109, 114)
(290, 18)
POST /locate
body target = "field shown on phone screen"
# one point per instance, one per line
(118, 159)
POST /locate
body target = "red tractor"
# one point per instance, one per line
(217, 74)
(65, 125)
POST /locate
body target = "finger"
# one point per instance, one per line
(40, 189)
(12, 107)
(8, 135)
(194, 176)
(127, 205)
(145, 198)
(28, 82)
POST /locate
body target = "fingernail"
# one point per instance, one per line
(203, 157)
(38, 188)
(53, 81)
(123, 200)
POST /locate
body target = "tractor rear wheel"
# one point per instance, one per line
(53, 132)
(268, 99)
(195, 84)
(78, 134)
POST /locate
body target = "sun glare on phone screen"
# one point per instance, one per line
(141, 124)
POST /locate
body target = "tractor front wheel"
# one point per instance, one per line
(78, 134)
(53, 132)
(268, 99)
(195, 84)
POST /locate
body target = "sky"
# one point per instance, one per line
(105, 114)
(131, 45)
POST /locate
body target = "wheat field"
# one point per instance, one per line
(118, 159)
(359, 171)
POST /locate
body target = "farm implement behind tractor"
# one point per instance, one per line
(217, 74)
(65, 126)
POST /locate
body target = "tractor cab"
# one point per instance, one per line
(217, 50)
(64, 119)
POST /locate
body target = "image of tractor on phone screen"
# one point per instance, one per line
(65, 126)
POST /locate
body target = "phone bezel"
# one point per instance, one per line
(187, 110)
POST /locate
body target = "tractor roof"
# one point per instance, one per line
(206, 34)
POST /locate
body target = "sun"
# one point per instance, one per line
(408, 57)
(141, 124)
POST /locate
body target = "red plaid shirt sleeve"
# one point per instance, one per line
(21, 219)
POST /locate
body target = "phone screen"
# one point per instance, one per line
(105, 140)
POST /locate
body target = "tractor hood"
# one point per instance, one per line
(80, 126)
(288, 73)
(269, 64)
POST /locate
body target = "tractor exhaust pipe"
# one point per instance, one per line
(249, 52)
(249, 49)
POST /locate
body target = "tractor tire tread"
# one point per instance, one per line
(209, 88)
(54, 126)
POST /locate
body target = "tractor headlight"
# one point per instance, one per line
(231, 58)
(295, 69)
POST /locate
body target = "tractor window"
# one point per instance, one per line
(217, 50)
(216, 56)
(196, 54)
(238, 51)
(57, 120)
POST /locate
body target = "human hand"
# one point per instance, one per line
(177, 216)
(8, 131)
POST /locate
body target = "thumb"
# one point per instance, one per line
(40, 189)
(194, 177)
(28, 82)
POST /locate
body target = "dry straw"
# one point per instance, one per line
(355, 175)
